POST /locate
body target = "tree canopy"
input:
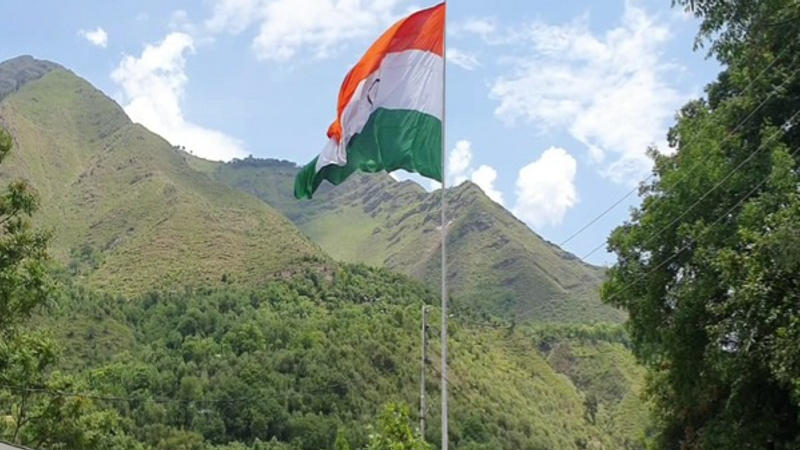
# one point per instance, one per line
(708, 266)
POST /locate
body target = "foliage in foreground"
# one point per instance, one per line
(708, 266)
(26, 357)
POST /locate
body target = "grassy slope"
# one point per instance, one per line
(125, 207)
(132, 214)
(497, 263)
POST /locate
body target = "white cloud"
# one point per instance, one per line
(483, 27)
(465, 60)
(97, 37)
(179, 21)
(611, 91)
(153, 86)
(458, 161)
(485, 176)
(459, 170)
(546, 188)
(233, 16)
(289, 26)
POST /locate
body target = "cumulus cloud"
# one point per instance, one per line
(153, 86)
(459, 170)
(546, 188)
(97, 37)
(484, 176)
(465, 60)
(483, 27)
(458, 161)
(285, 27)
(610, 91)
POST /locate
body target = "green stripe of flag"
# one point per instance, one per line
(392, 139)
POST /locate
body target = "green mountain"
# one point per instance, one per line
(127, 211)
(193, 315)
(495, 264)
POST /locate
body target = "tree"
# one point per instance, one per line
(38, 406)
(394, 431)
(23, 361)
(24, 282)
(708, 266)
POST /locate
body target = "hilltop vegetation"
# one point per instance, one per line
(497, 265)
(126, 210)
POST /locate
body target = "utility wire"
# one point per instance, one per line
(728, 135)
(523, 316)
(713, 188)
(687, 245)
(111, 398)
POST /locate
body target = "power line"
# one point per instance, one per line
(110, 398)
(524, 315)
(59, 393)
(687, 245)
(713, 188)
(730, 133)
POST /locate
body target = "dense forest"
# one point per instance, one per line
(290, 366)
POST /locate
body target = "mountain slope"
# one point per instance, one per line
(126, 209)
(315, 351)
(302, 360)
(496, 263)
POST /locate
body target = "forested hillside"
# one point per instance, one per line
(290, 365)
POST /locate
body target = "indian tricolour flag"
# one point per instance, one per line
(389, 113)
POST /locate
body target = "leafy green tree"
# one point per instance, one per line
(708, 265)
(341, 442)
(394, 432)
(39, 407)
(24, 359)
(24, 281)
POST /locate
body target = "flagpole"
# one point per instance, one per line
(444, 235)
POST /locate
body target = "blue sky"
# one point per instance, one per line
(550, 105)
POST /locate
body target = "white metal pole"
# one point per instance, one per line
(444, 235)
(422, 405)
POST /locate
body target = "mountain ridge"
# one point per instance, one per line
(138, 208)
(135, 215)
(493, 256)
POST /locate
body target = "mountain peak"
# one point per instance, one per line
(467, 187)
(15, 72)
(130, 213)
(497, 264)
